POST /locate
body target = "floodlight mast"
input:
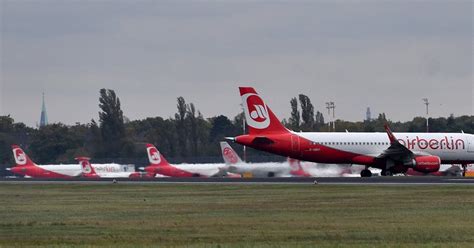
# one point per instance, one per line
(427, 103)
(333, 106)
(328, 106)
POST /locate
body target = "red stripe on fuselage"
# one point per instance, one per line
(295, 146)
(36, 172)
(169, 171)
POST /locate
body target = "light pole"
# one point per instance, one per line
(333, 116)
(328, 106)
(425, 100)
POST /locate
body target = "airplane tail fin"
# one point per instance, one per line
(21, 159)
(229, 155)
(87, 169)
(259, 117)
(154, 156)
(296, 169)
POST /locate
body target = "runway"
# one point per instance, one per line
(397, 180)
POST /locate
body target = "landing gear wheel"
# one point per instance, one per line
(365, 173)
(464, 169)
(386, 173)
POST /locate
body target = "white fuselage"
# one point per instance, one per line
(447, 146)
(276, 169)
(115, 174)
(113, 168)
(72, 170)
(207, 170)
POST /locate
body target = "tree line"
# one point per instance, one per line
(186, 136)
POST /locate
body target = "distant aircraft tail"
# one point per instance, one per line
(229, 155)
(21, 159)
(259, 117)
(87, 169)
(154, 156)
(296, 169)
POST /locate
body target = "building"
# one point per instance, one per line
(44, 115)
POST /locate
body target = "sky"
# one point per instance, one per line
(386, 55)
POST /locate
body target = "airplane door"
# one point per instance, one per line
(470, 144)
(295, 143)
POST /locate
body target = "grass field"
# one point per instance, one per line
(125, 215)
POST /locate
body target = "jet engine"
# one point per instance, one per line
(426, 163)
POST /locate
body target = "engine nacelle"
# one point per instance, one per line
(426, 163)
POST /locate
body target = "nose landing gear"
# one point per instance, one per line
(365, 173)
(464, 169)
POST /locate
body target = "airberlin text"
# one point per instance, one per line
(435, 144)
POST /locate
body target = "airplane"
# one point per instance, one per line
(235, 165)
(390, 152)
(159, 166)
(89, 171)
(113, 168)
(26, 167)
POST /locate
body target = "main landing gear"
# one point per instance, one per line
(464, 169)
(386, 173)
(365, 173)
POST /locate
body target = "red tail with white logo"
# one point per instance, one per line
(154, 156)
(87, 169)
(296, 168)
(260, 118)
(21, 159)
(229, 155)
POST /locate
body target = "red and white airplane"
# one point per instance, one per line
(159, 166)
(390, 152)
(26, 167)
(235, 165)
(88, 171)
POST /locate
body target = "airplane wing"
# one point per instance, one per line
(396, 151)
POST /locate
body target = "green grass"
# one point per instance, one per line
(131, 215)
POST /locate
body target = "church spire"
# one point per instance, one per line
(44, 116)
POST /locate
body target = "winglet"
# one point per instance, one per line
(390, 134)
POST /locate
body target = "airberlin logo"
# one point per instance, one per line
(154, 155)
(444, 143)
(86, 167)
(230, 156)
(294, 164)
(256, 112)
(20, 156)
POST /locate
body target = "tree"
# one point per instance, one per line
(319, 122)
(294, 120)
(54, 140)
(192, 120)
(181, 129)
(307, 113)
(111, 122)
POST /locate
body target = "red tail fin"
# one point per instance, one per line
(297, 168)
(260, 118)
(229, 155)
(87, 169)
(154, 156)
(21, 159)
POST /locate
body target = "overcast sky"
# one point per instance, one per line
(386, 55)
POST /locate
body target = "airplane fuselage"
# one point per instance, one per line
(361, 148)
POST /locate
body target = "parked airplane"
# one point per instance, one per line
(26, 167)
(285, 169)
(89, 171)
(159, 166)
(392, 153)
